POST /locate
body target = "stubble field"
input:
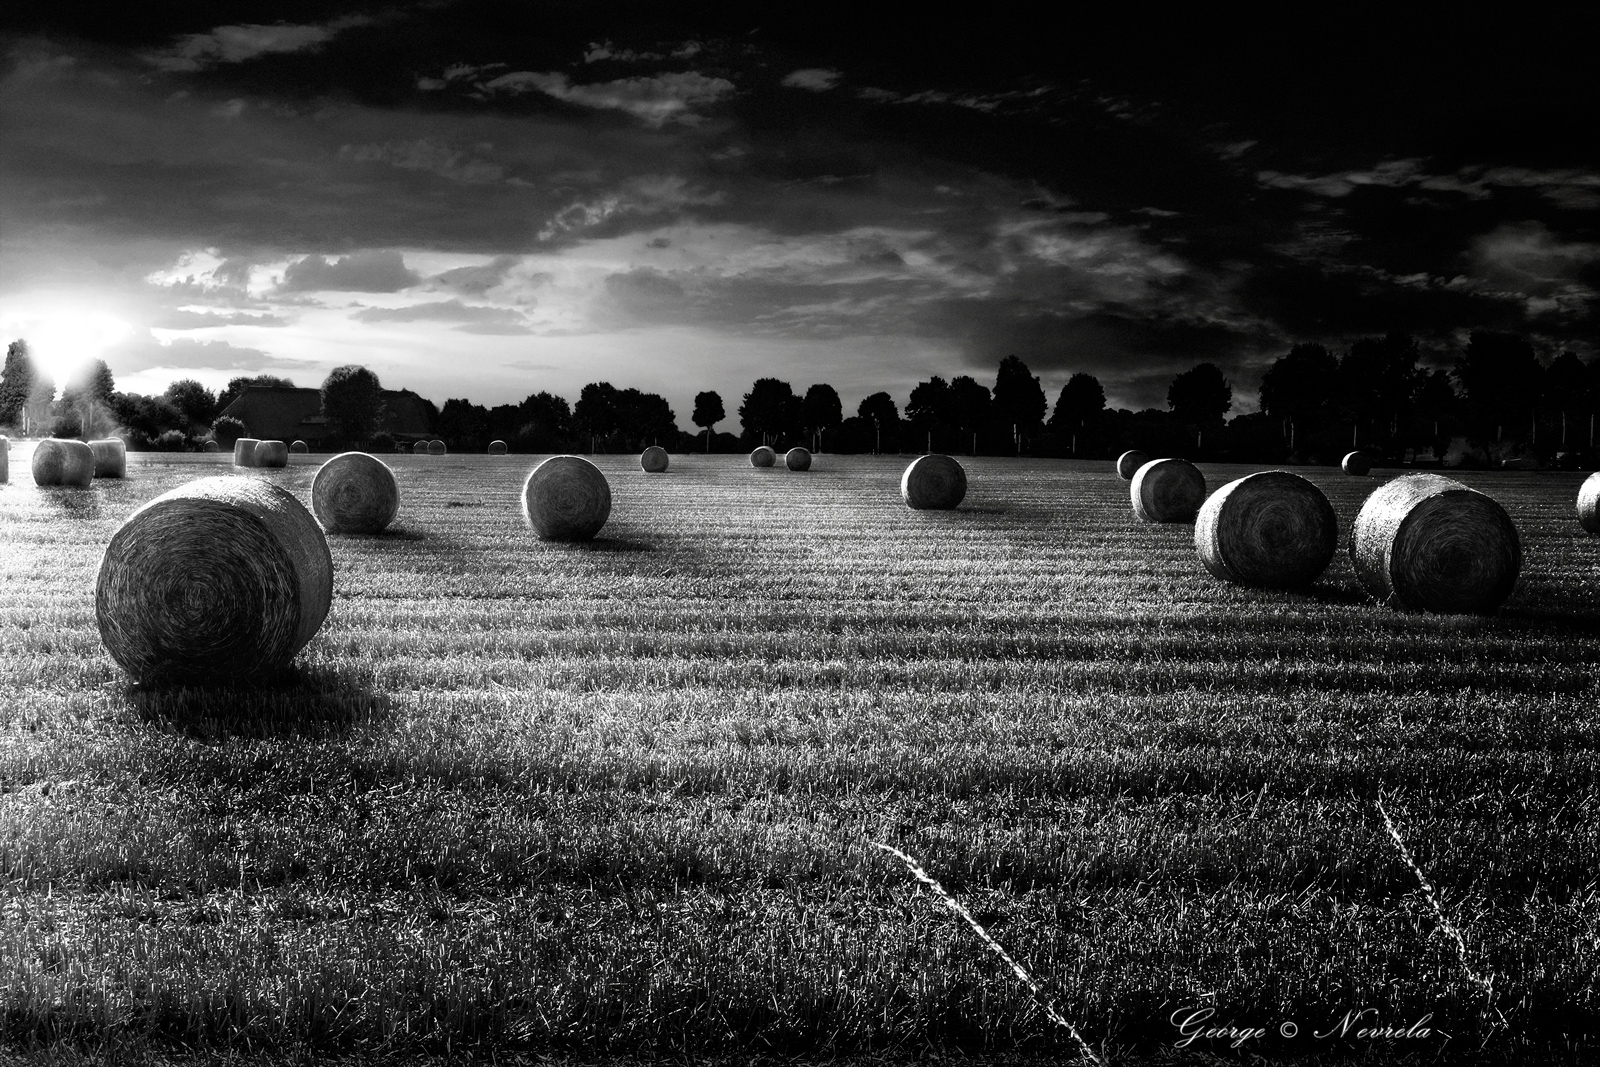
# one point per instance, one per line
(621, 797)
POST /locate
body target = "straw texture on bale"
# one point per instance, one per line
(1424, 542)
(420, 448)
(933, 483)
(497, 448)
(299, 447)
(218, 579)
(763, 457)
(1168, 490)
(244, 452)
(566, 498)
(211, 446)
(653, 459)
(65, 463)
(355, 493)
(1129, 462)
(1273, 529)
(1588, 502)
(435, 448)
(797, 459)
(5, 459)
(272, 454)
(1357, 463)
(110, 458)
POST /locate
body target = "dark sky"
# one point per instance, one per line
(489, 199)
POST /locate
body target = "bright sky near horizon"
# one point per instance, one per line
(486, 200)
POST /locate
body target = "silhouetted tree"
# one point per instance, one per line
(708, 411)
(770, 410)
(1567, 398)
(820, 410)
(1019, 399)
(1200, 396)
(1375, 382)
(352, 402)
(226, 430)
(463, 425)
(18, 383)
(235, 386)
(879, 411)
(197, 403)
(1501, 379)
(598, 411)
(86, 402)
(973, 406)
(1081, 403)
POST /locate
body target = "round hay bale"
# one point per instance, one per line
(1424, 542)
(1358, 464)
(420, 448)
(797, 459)
(654, 459)
(110, 458)
(566, 498)
(763, 457)
(1168, 490)
(62, 462)
(272, 454)
(932, 483)
(244, 452)
(435, 448)
(217, 579)
(1588, 503)
(211, 446)
(497, 448)
(5, 459)
(1273, 529)
(299, 448)
(1129, 462)
(355, 493)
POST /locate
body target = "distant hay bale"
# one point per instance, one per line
(1273, 529)
(355, 493)
(211, 446)
(5, 459)
(1357, 463)
(1424, 542)
(272, 454)
(497, 448)
(420, 448)
(797, 459)
(933, 483)
(435, 448)
(299, 448)
(110, 457)
(1168, 490)
(566, 498)
(763, 457)
(64, 463)
(1588, 503)
(1129, 462)
(654, 459)
(218, 579)
(244, 452)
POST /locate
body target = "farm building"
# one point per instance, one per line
(277, 414)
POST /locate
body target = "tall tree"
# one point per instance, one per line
(1301, 384)
(463, 424)
(1019, 399)
(235, 386)
(1200, 396)
(598, 411)
(548, 412)
(1376, 379)
(352, 402)
(821, 409)
(880, 411)
(770, 410)
(1501, 378)
(708, 411)
(17, 382)
(86, 400)
(932, 404)
(972, 402)
(197, 403)
(1081, 403)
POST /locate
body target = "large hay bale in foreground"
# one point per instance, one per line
(272, 454)
(797, 459)
(1129, 462)
(244, 452)
(218, 579)
(299, 447)
(653, 460)
(1273, 529)
(63, 463)
(5, 459)
(1168, 490)
(1588, 503)
(355, 493)
(211, 446)
(435, 448)
(497, 448)
(566, 498)
(1357, 463)
(932, 483)
(763, 457)
(1428, 543)
(110, 457)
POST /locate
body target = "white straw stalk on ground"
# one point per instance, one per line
(1168, 490)
(5, 459)
(566, 498)
(497, 448)
(272, 454)
(933, 483)
(653, 460)
(354, 493)
(763, 457)
(797, 459)
(298, 447)
(1588, 503)
(110, 457)
(436, 448)
(1358, 464)
(1424, 542)
(218, 579)
(63, 463)
(244, 452)
(420, 448)
(1274, 530)
(1129, 462)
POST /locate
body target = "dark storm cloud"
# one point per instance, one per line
(364, 272)
(142, 352)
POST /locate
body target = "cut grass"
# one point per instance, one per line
(619, 796)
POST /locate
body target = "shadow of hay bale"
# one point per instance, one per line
(295, 702)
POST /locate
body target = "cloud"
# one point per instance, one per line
(655, 100)
(434, 157)
(476, 318)
(237, 44)
(1568, 187)
(1526, 262)
(184, 319)
(145, 351)
(816, 79)
(476, 280)
(365, 272)
(647, 195)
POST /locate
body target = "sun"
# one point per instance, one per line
(62, 338)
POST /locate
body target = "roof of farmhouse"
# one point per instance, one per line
(282, 414)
